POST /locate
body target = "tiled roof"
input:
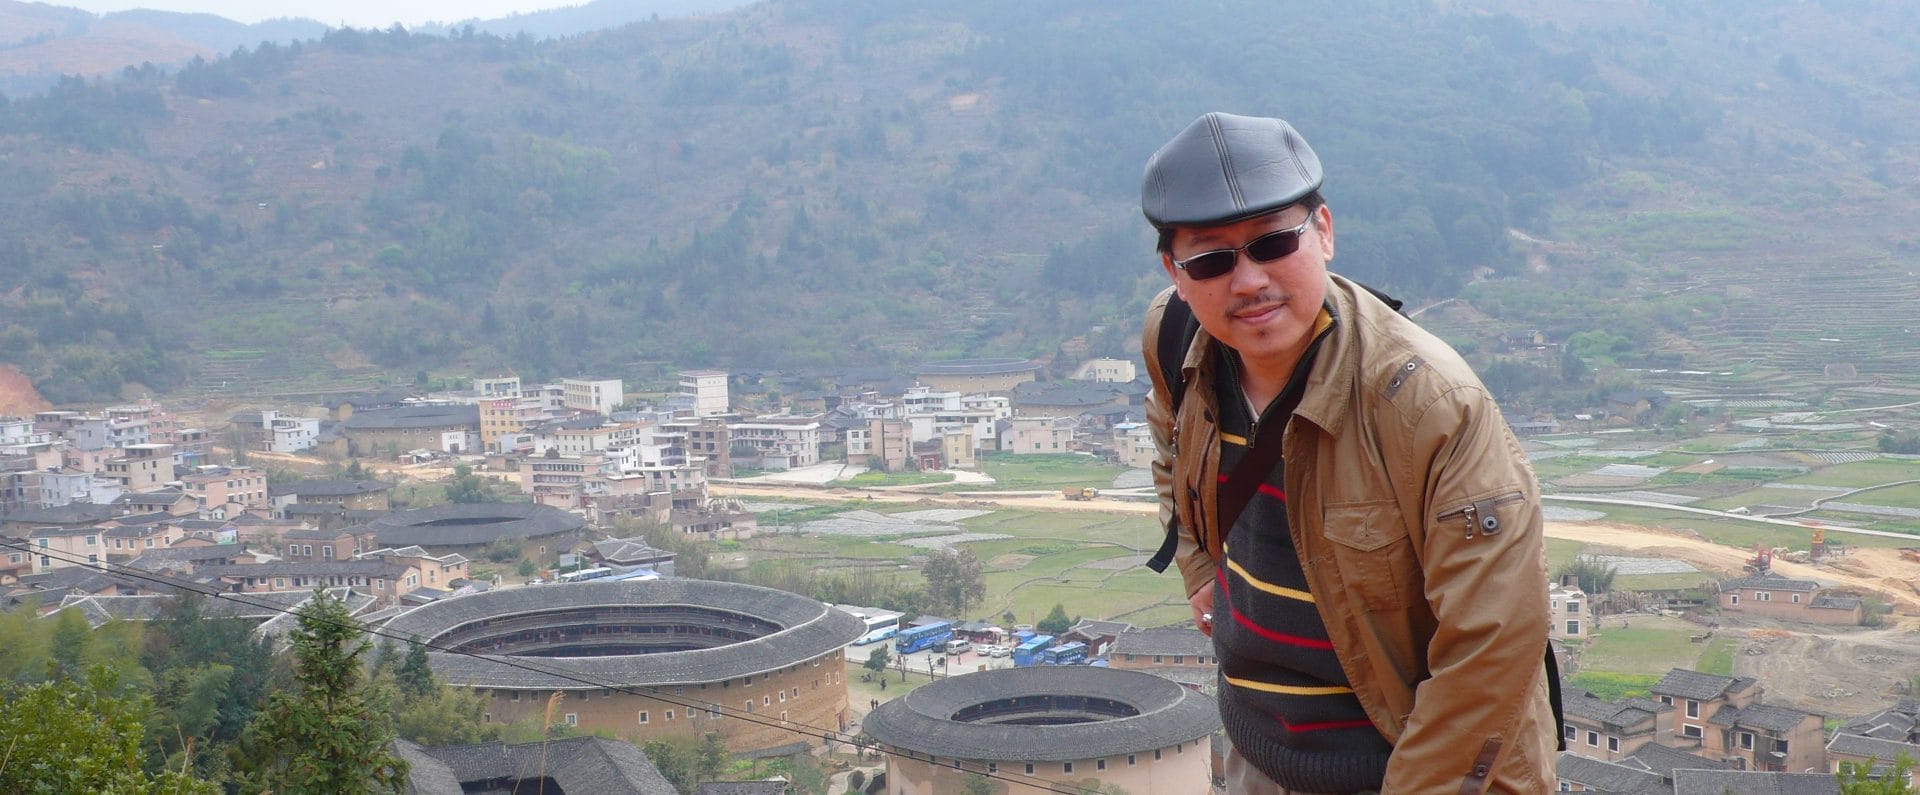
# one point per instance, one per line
(1824, 602)
(414, 417)
(72, 513)
(811, 630)
(1581, 704)
(573, 764)
(1766, 717)
(1753, 782)
(1162, 640)
(1608, 777)
(155, 558)
(328, 488)
(1165, 714)
(1773, 582)
(466, 524)
(1682, 683)
(1877, 748)
(1663, 760)
(1899, 723)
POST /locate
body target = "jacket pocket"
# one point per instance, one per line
(1374, 554)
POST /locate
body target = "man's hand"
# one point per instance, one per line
(1202, 603)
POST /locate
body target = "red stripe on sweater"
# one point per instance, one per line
(1273, 491)
(1331, 725)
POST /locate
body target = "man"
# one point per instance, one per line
(1357, 529)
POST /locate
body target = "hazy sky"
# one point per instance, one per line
(359, 13)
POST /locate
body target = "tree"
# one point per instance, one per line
(954, 581)
(977, 784)
(416, 678)
(76, 735)
(1593, 577)
(1056, 621)
(447, 715)
(329, 732)
(877, 660)
(467, 487)
(1857, 779)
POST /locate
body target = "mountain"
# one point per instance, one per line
(40, 42)
(587, 18)
(822, 183)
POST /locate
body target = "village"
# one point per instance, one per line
(526, 508)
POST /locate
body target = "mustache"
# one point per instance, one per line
(1263, 298)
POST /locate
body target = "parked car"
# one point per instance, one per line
(998, 651)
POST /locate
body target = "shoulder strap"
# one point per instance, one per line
(1177, 330)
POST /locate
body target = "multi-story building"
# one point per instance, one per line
(1133, 442)
(1600, 729)
(778, 445)
(708, 389)
(291, 434)
(383, 580)
(436, 571)
(1570, 612)
(60, 547)
(142, 466)
(223, 492)
(498, 387)
(1031, 435)
(884, 445)
(344, 543)
(577, 437)
(1723, 717)
(1109, 371)
(600, 396)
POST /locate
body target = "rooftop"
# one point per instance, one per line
(1773, 582)
(1766, 717)
(807, 630)
(1753, 782)
(328, 488)
(1100, 712)
(1698, 686)
(1163, 641)
(1609, 777)
(466, 524)
(978, 367)
(413, 417)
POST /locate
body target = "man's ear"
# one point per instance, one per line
(1326, 230)
(1166, 261)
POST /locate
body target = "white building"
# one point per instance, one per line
(708, 388)
(1134, 441)
(597, 438)
(779, 446)
(1106, 371)
(506, 386)
(600, 396)
(290, 434)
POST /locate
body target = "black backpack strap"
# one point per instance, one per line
(1177, 330)
(1553, 697)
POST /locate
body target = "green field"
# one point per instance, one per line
(1012, 472)
(872, 479)
(1652, 644)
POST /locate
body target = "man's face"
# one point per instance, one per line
(1263, 310)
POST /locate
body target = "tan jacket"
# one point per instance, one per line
(1417, 519)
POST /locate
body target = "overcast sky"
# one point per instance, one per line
(358, 13)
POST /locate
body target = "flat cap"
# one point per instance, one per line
(1224, 168)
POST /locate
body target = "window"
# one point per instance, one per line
(1131, 759)
(1746, 741)
(1156, 754)
(1796, 599)
(1593, 739)
(1693, 708)
(1764, 596)
(992, 768)
(279, 582)
(1157, 658)
(1690, 731)
(1573, 607)
(1573, 627)
(643, 717)
(713, 712)
(486, 717)
(1572, 732)
(573, 719)
(1733, 599)
(1066, 767)
(516, 695)
(1099, 764)
(766, 701)
(1029, 768)
(1613, 744)
(1667, 700)
(91, 540)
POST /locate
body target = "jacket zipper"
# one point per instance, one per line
(1478, 516)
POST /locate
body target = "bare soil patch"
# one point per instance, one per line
(17, 395)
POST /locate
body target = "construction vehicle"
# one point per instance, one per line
(1762, 560)
(1077, 493)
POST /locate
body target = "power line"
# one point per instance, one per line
(658, 694)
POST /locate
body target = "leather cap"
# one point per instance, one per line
(1224, 168)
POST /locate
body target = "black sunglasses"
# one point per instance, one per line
(1265, 248)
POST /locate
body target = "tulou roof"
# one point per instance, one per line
(466, 524)
(1165, 714)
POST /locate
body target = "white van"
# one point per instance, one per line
(958, 646)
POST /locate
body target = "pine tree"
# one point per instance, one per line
(330, 732)
(416, 678)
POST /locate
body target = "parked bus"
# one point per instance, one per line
(583, 575)
(1028, 653)
(1065, 654)
(926, 636)
(883, 633)
(881, 621)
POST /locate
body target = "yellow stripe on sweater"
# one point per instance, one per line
(1276, 590)
(1288, 690)
(1233, 439)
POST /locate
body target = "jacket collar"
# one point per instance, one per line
(1329, 383)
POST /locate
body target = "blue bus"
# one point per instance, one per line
(926, 636)
(1065, 654)
(1028, 653)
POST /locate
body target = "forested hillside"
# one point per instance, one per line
(806, 183)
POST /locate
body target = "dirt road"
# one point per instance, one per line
(1869, 570)
(1050, 501)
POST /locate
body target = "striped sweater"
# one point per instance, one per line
(1284, 699)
